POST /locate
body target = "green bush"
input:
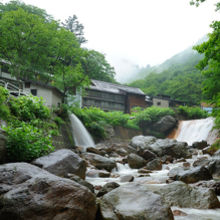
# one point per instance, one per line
(150, 115)
(27, 108)
(4, 110)
(26, 142)
(191, 112)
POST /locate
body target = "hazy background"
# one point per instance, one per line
(135, 33)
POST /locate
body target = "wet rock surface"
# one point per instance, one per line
(135, 161)
(185, 196)
(133, 202)
(62, 162)
(28, 192)
(100, 162)
(191, 175)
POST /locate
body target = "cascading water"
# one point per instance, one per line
(194, 130)
(81, 136)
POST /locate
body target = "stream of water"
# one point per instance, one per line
(81, 136)
(188, 131)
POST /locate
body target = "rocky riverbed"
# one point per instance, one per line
(146, 178)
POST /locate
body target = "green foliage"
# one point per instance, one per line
(96, 67)
(59, 121)
(210, 67)
(191, 112)
(26, 142)
(95, 119)
(177, 78)
(27, 108)
(4, 110)
(152, 114)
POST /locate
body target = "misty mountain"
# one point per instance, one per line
(177, 77)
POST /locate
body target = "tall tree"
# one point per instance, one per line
(96, 66)
(67, 67)
(72, 24)
(27, 42)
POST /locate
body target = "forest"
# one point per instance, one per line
(38, 47)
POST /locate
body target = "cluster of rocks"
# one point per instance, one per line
(55, 186)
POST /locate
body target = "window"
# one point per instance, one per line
(158, 103)
(34, 92)
(27, 85)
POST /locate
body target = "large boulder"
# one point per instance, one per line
(160, 147)
(211, 184)
(62, 162)
(200, 144)
(142, 142)
(133, 202)
(165, 124)
(155, 164)
(100, 162)
(2, 146)
(28, 192)
(185, 196)
(192, 175)
(135, 161)
(170, 147)
(148, 155)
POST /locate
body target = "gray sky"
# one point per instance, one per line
(136, 32)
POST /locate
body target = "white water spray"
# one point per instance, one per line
(195, 130)
(81, 136)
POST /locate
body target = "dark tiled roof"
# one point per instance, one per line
(114, 88)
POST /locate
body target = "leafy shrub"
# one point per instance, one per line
(59, 121)
(4, 110)
(191, 112)
(150, 115)
(27, 108)
(26, 142)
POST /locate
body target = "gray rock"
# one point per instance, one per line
(170, 147)
(126, 178)
(81, 181)
(200, 144)
(108, 187)
(185, 196)
(148, 155)
(201, 161)
(155, 164)
(135, 161)
(33, 193)
(133, 202)
(214, 168)
(62, 162)
(101, 162)
(165, 124)
(211, 184)
(142, 142)
(192, 175)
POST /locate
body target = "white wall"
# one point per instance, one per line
(163, 103)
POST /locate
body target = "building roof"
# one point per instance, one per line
(114, 88)
(45, 86)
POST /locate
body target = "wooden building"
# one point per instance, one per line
(113, 97)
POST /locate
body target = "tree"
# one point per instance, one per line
(210, 65)
(72, 24)
(67, 67)
(96, 67)
(27, 42)
(198, 2)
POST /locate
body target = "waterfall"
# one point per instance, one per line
(81, 136)
(195, 130)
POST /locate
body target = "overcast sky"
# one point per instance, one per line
(136, 32)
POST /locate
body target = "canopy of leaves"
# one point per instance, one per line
(38, 48)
